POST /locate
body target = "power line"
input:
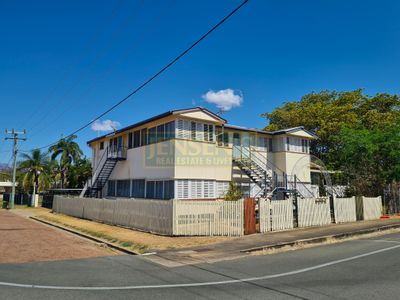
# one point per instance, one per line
(145, 83)
(70, 107)
(121, 59)
(84, 53)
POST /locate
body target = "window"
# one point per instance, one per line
(270, 145)
(222, 137)
(101, 145)
(304, 146)
(111, 188)
(152, 135)
(170, 130)
(130, 140)
(287, 144)
(208, 132)
(262, 143)
(150, 185)
(123, 188)
(143, 136)
(138, 188)
(168, 189)
(195, 189)
(209, 189)
(193, 130)
(136, 139)
(159, 187)
(221, 188)
(160, 133)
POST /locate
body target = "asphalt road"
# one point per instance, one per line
(358, 269)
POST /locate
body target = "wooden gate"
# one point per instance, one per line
(249, 216)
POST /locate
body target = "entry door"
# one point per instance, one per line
(119, 142)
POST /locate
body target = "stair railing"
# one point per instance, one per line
(89, 183)
(281, 180)
(117, 152)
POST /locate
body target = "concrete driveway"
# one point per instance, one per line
(24, 240)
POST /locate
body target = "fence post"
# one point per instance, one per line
(173, 216)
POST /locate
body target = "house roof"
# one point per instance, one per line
(241, 128)
(160, 116)
(210, 113)
(277, 132)
(294, 129)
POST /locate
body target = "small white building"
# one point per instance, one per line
(194, 154)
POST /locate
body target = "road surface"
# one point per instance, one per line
(357, 269)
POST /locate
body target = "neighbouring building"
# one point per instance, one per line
(194, 154)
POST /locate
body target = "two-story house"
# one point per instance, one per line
(194, 154)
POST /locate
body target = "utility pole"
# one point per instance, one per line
(14, 136)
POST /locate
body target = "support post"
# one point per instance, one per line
(14, 136)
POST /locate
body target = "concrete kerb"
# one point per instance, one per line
(321, 239)
(87, 236)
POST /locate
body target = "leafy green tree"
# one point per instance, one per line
(327, 112)
(33, 170)
(79, 173)
(370, 158)
(233, 193)
(68, 151)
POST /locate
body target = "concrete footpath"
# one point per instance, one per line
(247, 245)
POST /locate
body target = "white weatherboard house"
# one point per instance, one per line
(194, 154)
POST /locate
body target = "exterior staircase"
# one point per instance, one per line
(108, 161)
(268, 177)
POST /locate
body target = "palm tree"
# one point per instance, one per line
(69, 152)
(33, 168)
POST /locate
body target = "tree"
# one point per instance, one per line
(33, 170)
(233, 193)
(79, 173)
(69, 152)
(327, 112)
(370, 158)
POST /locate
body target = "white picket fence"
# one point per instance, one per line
(148, 215)
(345, 209)
(275, 214)
(372, 208)
(313, 211)
(174, 217)
(213, 218)
(210, 218)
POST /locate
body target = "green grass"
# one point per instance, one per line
(138, 248)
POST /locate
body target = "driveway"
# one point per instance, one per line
(25, 240)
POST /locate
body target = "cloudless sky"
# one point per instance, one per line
(64, 62)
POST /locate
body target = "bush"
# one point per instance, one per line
(233, 193)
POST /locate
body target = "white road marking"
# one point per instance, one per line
(199, 284)
(384, 241)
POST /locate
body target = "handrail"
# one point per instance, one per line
(249, 156)
(105, 154)
(271, 165)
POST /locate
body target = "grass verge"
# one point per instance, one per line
(137, 241)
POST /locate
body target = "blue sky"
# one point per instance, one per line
(64, 62)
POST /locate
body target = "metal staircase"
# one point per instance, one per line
(269, 178)
(106, 165)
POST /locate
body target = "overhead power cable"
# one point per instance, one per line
(162, 70)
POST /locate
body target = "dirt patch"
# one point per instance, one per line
(24, 240)
(134, 240)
